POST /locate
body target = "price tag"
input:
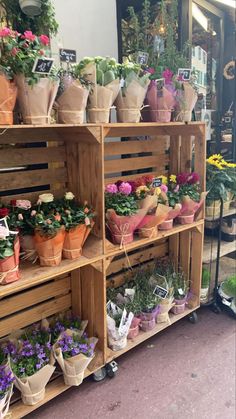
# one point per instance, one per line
(67, 55)
(185, 73)
(157, 182)
(43, 65)
(142, 58)
(180, 291)
(160, 292)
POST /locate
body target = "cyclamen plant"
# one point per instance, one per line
(121, 198)
(75, 345)
(6, 380)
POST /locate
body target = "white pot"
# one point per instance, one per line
(31, 7)
(203, 294)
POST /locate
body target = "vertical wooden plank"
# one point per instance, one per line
(200, 163)
(184, 252)
(100, 324)
(87, 290)
(174, 249)
(186, 153)
(76, 294)
(174, 168)
(196, 261)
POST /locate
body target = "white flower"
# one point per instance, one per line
(46, 198)
(23, 204)
(69, 196)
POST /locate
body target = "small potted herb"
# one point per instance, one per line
(206, 279)
(181, 289)
(6, 386)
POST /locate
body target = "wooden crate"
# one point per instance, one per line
(82, 159)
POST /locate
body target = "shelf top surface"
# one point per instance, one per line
(105, 125)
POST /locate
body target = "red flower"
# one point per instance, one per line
(182, 178)
(57, 217)
(44, 39)
(193, 178)
(29, 36)
(4, 212)
(13, 202)
(14, 51)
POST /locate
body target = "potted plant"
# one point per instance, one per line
(190, 196)
(9, 253)
(169, 199)
(206, 279)
(49, 233)
(6, 387)
(181, 288)
(78, 222)
(32, 365)
(227, 294)
(130, 99)
(163, 277)
(19, 53)
(122, 212)
(65, 322)
(74, 353)
(103, 74)
(8, 92)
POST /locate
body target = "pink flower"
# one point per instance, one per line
(87, 221)
(29, 36)
(20, 217)
(4, 32)
(182, 178)
(193, 178)
(125, 188)
(23, 204)
(180, 77)
(48, 221)
(41, 52)
(33, 213)
(14, 51)
(44, 39)
(164, 188)
(176, 188)
(111, 188)
(151, 70)
(168, 75)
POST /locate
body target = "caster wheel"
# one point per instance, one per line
(100, 374)
(193, 317)
(216, 309)
(111, 369)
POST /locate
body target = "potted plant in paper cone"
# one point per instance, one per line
(64, 322)
(49, 233)
(74, 353)
(78, 222)
(206, 279)
(9, 252)
(32, 363)
(19, 53)
(186, 98)
(190, 197)
(122, 212)
(162, 277)
(6, 387)
(181, 288)
(169, 200)
(103, 74)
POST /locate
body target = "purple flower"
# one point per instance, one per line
(167, 75)
(111, 188)
(182, 178)
(125, 188)
(6, 380)
(38, 366)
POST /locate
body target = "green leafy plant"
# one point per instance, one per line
(229, 286)
(7, 246)
(122, 204)
(206, 278)
(107, 69)
(73, 214)
(17, 20)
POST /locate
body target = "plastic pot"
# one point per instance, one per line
(185, 219)
(134, 328)
(166, 225)
(146, 316)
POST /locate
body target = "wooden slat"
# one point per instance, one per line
(134, 163)
(27, 299)
(76, 294)
(119, 279)
(115, 148)
(147, 128)
(140, 256)
(31, 178)
(100, 324)
(174, 165)
(87, 275)
(200, 163)
(186, 153)
(24, 156)
(32, 315)
(56, 190)
(21, 134)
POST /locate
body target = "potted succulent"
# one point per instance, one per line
(6, 386)
(78, 222)
(206, 279)
(122, 212)
(19, 53)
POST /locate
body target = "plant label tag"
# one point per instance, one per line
(129, 293)
(180, 291)
(43, 65)
(185, 73)
(67, 55)
(122, 82)
(4, 229)
(125, 323)
(108, 306)
(160, 292)
(142, 58)
(157, 182)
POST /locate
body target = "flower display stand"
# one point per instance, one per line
(82, 159)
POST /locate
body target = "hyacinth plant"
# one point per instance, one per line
(72, 345)
(6, 381)
(19, 52)
(121, 198)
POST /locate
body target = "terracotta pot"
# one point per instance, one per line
(9, 267)
(166, 225)
(134, 328)
(125, 239)
(49, 249)
(74, 240)
(185, 219)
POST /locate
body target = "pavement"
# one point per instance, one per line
(185, 372)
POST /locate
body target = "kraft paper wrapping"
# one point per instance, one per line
(190, 207)
(122, 227)
(186, 100)
(36, 101)
(33, 388)
(9, 267)
(171, 212)
(165, 306)
(148, 226)
(73, 368)
(72, 104)
(49, 249)
(4, 403)
(28, 250)
(149, 202)
(74, 241)
(130, 101)
(160, 103)
(8, 92)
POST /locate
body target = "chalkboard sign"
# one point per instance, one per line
(43, 65)
(185, 73)
(67, 55)
(142, 58)
(156, 182)
(160, 292)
